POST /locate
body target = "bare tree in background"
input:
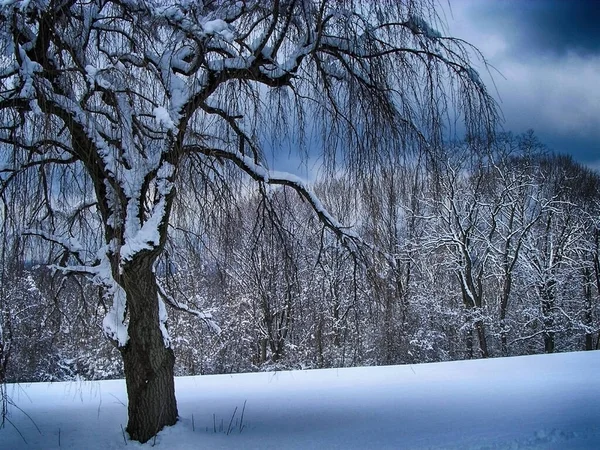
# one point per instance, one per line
(105, 103)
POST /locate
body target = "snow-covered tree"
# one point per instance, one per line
(517, 208)
(106, 103)
(460, 228)
(550, 251)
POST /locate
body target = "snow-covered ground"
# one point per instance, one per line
(533, 402)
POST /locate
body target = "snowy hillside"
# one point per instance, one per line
(533, 402)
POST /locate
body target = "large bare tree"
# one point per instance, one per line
(105, 103)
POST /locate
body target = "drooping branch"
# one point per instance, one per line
(207, 318)
(260, 173)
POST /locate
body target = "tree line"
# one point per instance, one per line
(482, 251)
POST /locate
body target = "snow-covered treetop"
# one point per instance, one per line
(127, 91)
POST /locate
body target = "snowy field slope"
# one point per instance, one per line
(533, 402)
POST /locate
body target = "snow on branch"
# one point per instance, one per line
(418, 25)
(171, 301)
(114, 323)
(70, 244)
(260, 173)
(147, 237)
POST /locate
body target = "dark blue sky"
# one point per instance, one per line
(545, 67)
(548, 56)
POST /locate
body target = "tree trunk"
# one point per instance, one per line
(588, 309)
(262, 358)
(473, 309)
(483, 348)
(148, 362)
(469, 336)
(506, 289)
(319, 342)
(547, 294)
(388, 328)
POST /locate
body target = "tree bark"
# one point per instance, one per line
(506, 289)
(473, 307)
(547, 294)
(483, 348)
(588, 309)
(148, 361)
(469, 340)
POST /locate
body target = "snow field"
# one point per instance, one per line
(532, 402)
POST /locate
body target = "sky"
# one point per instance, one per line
(546, 66)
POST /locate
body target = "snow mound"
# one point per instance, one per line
(533, 402)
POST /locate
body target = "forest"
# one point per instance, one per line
(484, 252)
(146, 232)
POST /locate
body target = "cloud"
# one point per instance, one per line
(548, 56)
(595, 165)
(563, 95)
(543, 27)
(559, 101)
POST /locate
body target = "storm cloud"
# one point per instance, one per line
(547, 56)
(544, 27)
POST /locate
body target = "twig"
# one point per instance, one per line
(118, 400)
(123, 431)
(17, 430)
(242, 419)
(14, 405)
(231, 421)
(99, 405)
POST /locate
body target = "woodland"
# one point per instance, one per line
(146, 234)
(494, 254)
